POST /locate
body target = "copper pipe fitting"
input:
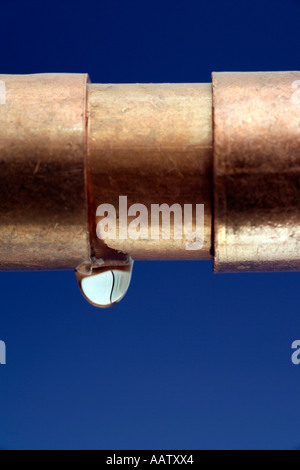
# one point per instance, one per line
(256, 171)
(43, 210)
(67, 146)
(152, 143)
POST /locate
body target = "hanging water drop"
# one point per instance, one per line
(105, 285)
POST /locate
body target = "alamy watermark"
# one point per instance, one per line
(160, 221)
(295, 358)
(2, 352)
(2, 92)
(296, 94)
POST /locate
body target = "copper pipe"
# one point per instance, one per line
(152, 143)
(43, 210)
(257, 171)
(67, 146)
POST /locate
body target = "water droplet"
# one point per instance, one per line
(105, 285)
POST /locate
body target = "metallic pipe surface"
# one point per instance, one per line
(68, 146)
(256, 171)
(43, 210)
(153, 144)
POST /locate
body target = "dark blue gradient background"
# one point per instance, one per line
(188, 359)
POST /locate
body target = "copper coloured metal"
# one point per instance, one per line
(67, 147)
(256, 171)
(43, 210)
(153, 144)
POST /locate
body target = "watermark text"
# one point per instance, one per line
(2, 92)
(2, 352)
(159, 221)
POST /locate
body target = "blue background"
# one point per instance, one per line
(188, 359)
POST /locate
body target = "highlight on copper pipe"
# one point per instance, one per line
(94, 176)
